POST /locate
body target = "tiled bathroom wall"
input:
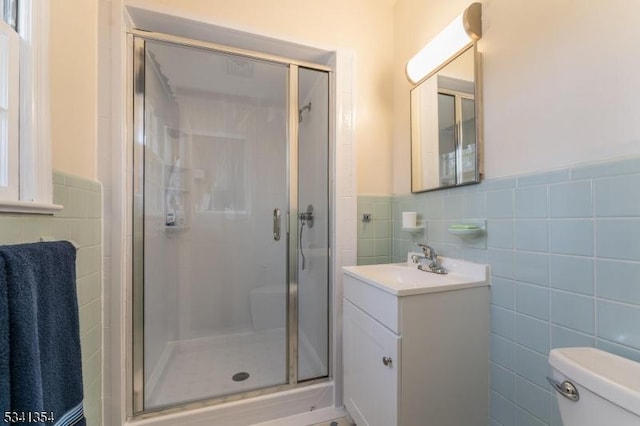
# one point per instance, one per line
(564, 250)
(80, 221)
(374, 235)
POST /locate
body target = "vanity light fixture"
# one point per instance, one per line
(458, 35)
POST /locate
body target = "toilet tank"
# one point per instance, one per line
(608, 387)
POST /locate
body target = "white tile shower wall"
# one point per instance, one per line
(374, 236)
(564, 250)
(213, 121)
(79, 221)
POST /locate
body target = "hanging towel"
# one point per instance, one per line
(40, 360)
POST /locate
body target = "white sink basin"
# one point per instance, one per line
(403, 279)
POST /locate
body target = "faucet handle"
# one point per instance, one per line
(429, 252)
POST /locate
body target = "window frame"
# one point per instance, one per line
(10, 103)
(35, 176)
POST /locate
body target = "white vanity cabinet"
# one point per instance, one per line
(415, 354)
(371, 387)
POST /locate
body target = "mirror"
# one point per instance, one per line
(445, 131)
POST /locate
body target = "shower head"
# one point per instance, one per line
(307, 107)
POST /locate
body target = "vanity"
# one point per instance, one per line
(416, 344)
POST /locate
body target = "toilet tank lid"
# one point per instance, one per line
(612, 377)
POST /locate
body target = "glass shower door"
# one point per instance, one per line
(211, 206)
(313, 200)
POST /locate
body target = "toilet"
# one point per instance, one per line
(607, 387)
(268, 307)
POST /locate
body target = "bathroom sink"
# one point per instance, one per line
(403, 279)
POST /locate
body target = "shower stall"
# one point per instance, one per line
(231, 214)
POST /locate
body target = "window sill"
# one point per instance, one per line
(28, 207)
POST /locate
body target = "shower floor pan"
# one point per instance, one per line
(204, 368)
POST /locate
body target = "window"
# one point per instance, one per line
(9, 101)
(25, 158)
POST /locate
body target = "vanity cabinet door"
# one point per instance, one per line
(371, 388)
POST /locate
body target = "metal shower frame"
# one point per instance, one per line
(135, 388)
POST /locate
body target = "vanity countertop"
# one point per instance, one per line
(405, 279)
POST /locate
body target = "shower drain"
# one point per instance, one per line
(240, 377)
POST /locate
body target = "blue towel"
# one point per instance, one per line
(40, 360)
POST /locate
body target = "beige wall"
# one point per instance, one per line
(553, 96)
(364, 26)
(560, 81)
(73, 47)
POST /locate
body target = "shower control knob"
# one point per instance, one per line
(387, 361)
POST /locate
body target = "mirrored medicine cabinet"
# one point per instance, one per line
(445, 125)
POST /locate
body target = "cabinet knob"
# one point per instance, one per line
(387, 361)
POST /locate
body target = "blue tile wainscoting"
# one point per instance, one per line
(564, 250)
(374, 236)
(81, 222)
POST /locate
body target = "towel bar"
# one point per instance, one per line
(46, 239)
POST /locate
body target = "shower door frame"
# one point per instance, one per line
(136, 40)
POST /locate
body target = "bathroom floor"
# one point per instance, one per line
(336, 422)
(204, 368)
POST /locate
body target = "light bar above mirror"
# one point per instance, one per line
(456, 37)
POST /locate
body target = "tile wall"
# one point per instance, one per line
(564, 250)
(374, 236)
(80, 221)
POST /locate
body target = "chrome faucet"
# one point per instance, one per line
(431, 256)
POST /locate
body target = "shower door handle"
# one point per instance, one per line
(276, 224)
